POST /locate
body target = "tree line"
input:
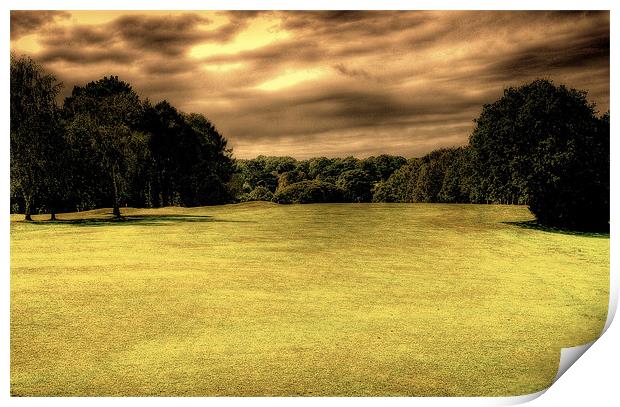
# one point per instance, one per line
(445, 175)
(105, 147)
(539, 145)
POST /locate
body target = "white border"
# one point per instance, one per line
(595, 372)
(308, 5)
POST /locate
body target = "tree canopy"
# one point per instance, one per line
(543, 145)
(36, 143)
(107, 148)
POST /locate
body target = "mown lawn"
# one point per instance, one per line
(327, 299)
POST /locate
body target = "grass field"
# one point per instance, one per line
(328, 299)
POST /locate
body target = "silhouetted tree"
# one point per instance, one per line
(543, 145)
(540, 145)
(216, 163)
(36, 135)
(106, 114)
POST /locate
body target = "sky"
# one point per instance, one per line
(324, 83)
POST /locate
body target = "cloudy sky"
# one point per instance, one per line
(324, 83)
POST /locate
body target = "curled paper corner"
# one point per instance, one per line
(568, 356)
(514, 400)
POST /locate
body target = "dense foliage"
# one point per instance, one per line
(338, 179)
(315, 191)
(36, 140)
(107, 148)
(258, 194)
(541, 145)
(443, 175)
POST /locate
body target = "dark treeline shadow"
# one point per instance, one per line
(132, 220)
(535, 225)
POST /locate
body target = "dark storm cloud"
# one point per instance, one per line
(367, 108)
(330, 82)
(168, 35)
(24, 22)
(349, 23)
(87, 57)
(580, 50)
(335, 110)
(352, 72)
(320, 36)
(60, 38)
(165, 69)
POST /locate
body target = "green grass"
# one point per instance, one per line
(329, 299)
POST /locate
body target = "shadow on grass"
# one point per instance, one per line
(132, 220)
(532, 224)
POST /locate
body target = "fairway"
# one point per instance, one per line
(260, 299)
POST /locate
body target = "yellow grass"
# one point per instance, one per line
(328, 299)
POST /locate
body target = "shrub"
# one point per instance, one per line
(258, 194)
(309, 192)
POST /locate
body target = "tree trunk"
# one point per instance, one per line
(149, 194)
(53, 215)
(117, 210)
(27, 209)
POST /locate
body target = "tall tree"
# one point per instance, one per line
(216, 165)
(544, 145)
(456, 187)
(431, 176)
(35, 132)
(190, 163)
(106, 112)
